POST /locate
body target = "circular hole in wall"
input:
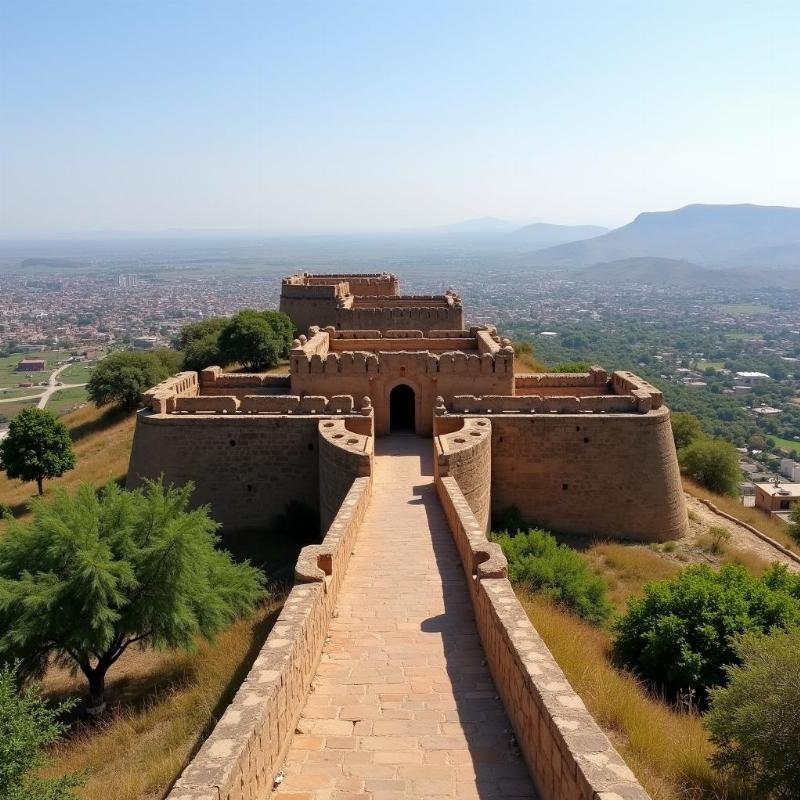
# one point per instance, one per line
(481, 422)
(352, 441)
(475, 433)
(328, 425)
(310, 446)
(338, 435)
(586, 440)
(459, 440)
(577, 427)
(249, 487)
(565, 486)
(232, 443)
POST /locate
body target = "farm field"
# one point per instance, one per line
(9, 377)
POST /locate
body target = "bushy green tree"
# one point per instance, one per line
(685, 428)
(93, 573)
(755, 720)
(256, 339)
(122, 378)
(714, 464)
(681, 634)
(538, 562)
(202, 353)
(195, 331)
(38, 446)
(27, 727)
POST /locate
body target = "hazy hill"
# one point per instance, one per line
(479, 225)
(651, 271)
(737, 235)
(542, 234)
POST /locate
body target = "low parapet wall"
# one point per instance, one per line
(465, 453)
(243, 753)
(213, 381)
(344, 454)
(538, 404)
(266, 404)
(568, 756)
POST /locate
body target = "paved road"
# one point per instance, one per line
(403, 705)
(52, 388)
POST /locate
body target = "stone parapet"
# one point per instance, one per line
(568, 755)
(465, 454)
(627, 383)
(538, 404)
(240, 758)
(161, 398)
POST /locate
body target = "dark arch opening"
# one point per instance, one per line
(401, 409)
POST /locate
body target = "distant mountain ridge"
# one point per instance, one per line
(711, 235)
(544, 234)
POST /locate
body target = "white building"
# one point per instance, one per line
(751, 378)
(791, 469)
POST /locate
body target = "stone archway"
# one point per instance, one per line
(402, 409)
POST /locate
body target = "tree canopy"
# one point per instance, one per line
(681, 634)
(754, 720)
(713, 463)
(27, 727)
(122, 378)
(685, 428)
(93, 573)
(38, 446)
(256, 339)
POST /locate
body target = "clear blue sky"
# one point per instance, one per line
(344, 115)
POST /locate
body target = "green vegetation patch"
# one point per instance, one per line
(744, 309)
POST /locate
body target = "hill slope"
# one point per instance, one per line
(736, 235)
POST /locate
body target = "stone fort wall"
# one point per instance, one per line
(596, 474)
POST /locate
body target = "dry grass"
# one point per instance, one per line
(666, 748)
(165, 705)
(626, 569)
(102, 440)
(751, 515)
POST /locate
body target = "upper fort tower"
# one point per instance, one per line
(365, 302)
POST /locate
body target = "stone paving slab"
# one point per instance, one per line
(402, 705)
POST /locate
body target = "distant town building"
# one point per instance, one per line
(766, 411)
(145, 342)
(751, 378)
(790, 469)
(31, 365)
(777, 499)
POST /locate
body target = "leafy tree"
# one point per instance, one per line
(171, 360)
(94, 573)
(256, 339)
(682, 633)
(685, 428)
(122, 378)
(27, 726)
(713, 463)
(202, 353)
(538, 562)
(754, 720)
(195, 331)
(38, 446)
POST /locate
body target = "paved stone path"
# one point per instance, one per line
(402, 705)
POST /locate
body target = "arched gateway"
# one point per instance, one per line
(402, 411)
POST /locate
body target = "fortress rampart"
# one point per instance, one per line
(244, 752)
(249, 457)
(568, 756)
(610, 472)
(355, 302)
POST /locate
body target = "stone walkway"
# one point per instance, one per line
(402, 705)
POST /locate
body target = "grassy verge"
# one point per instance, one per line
(164, 706)
(667, 749)
(102, 440)
(65, 400)
(752, 516)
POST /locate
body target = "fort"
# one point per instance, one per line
(406, 430)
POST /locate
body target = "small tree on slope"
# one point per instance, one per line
(38, 446)
(92, 574)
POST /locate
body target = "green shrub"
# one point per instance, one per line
(681, 634)
(685, 428)
(27, 727)
(754, 720)
(538, 562)
(714, 464)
